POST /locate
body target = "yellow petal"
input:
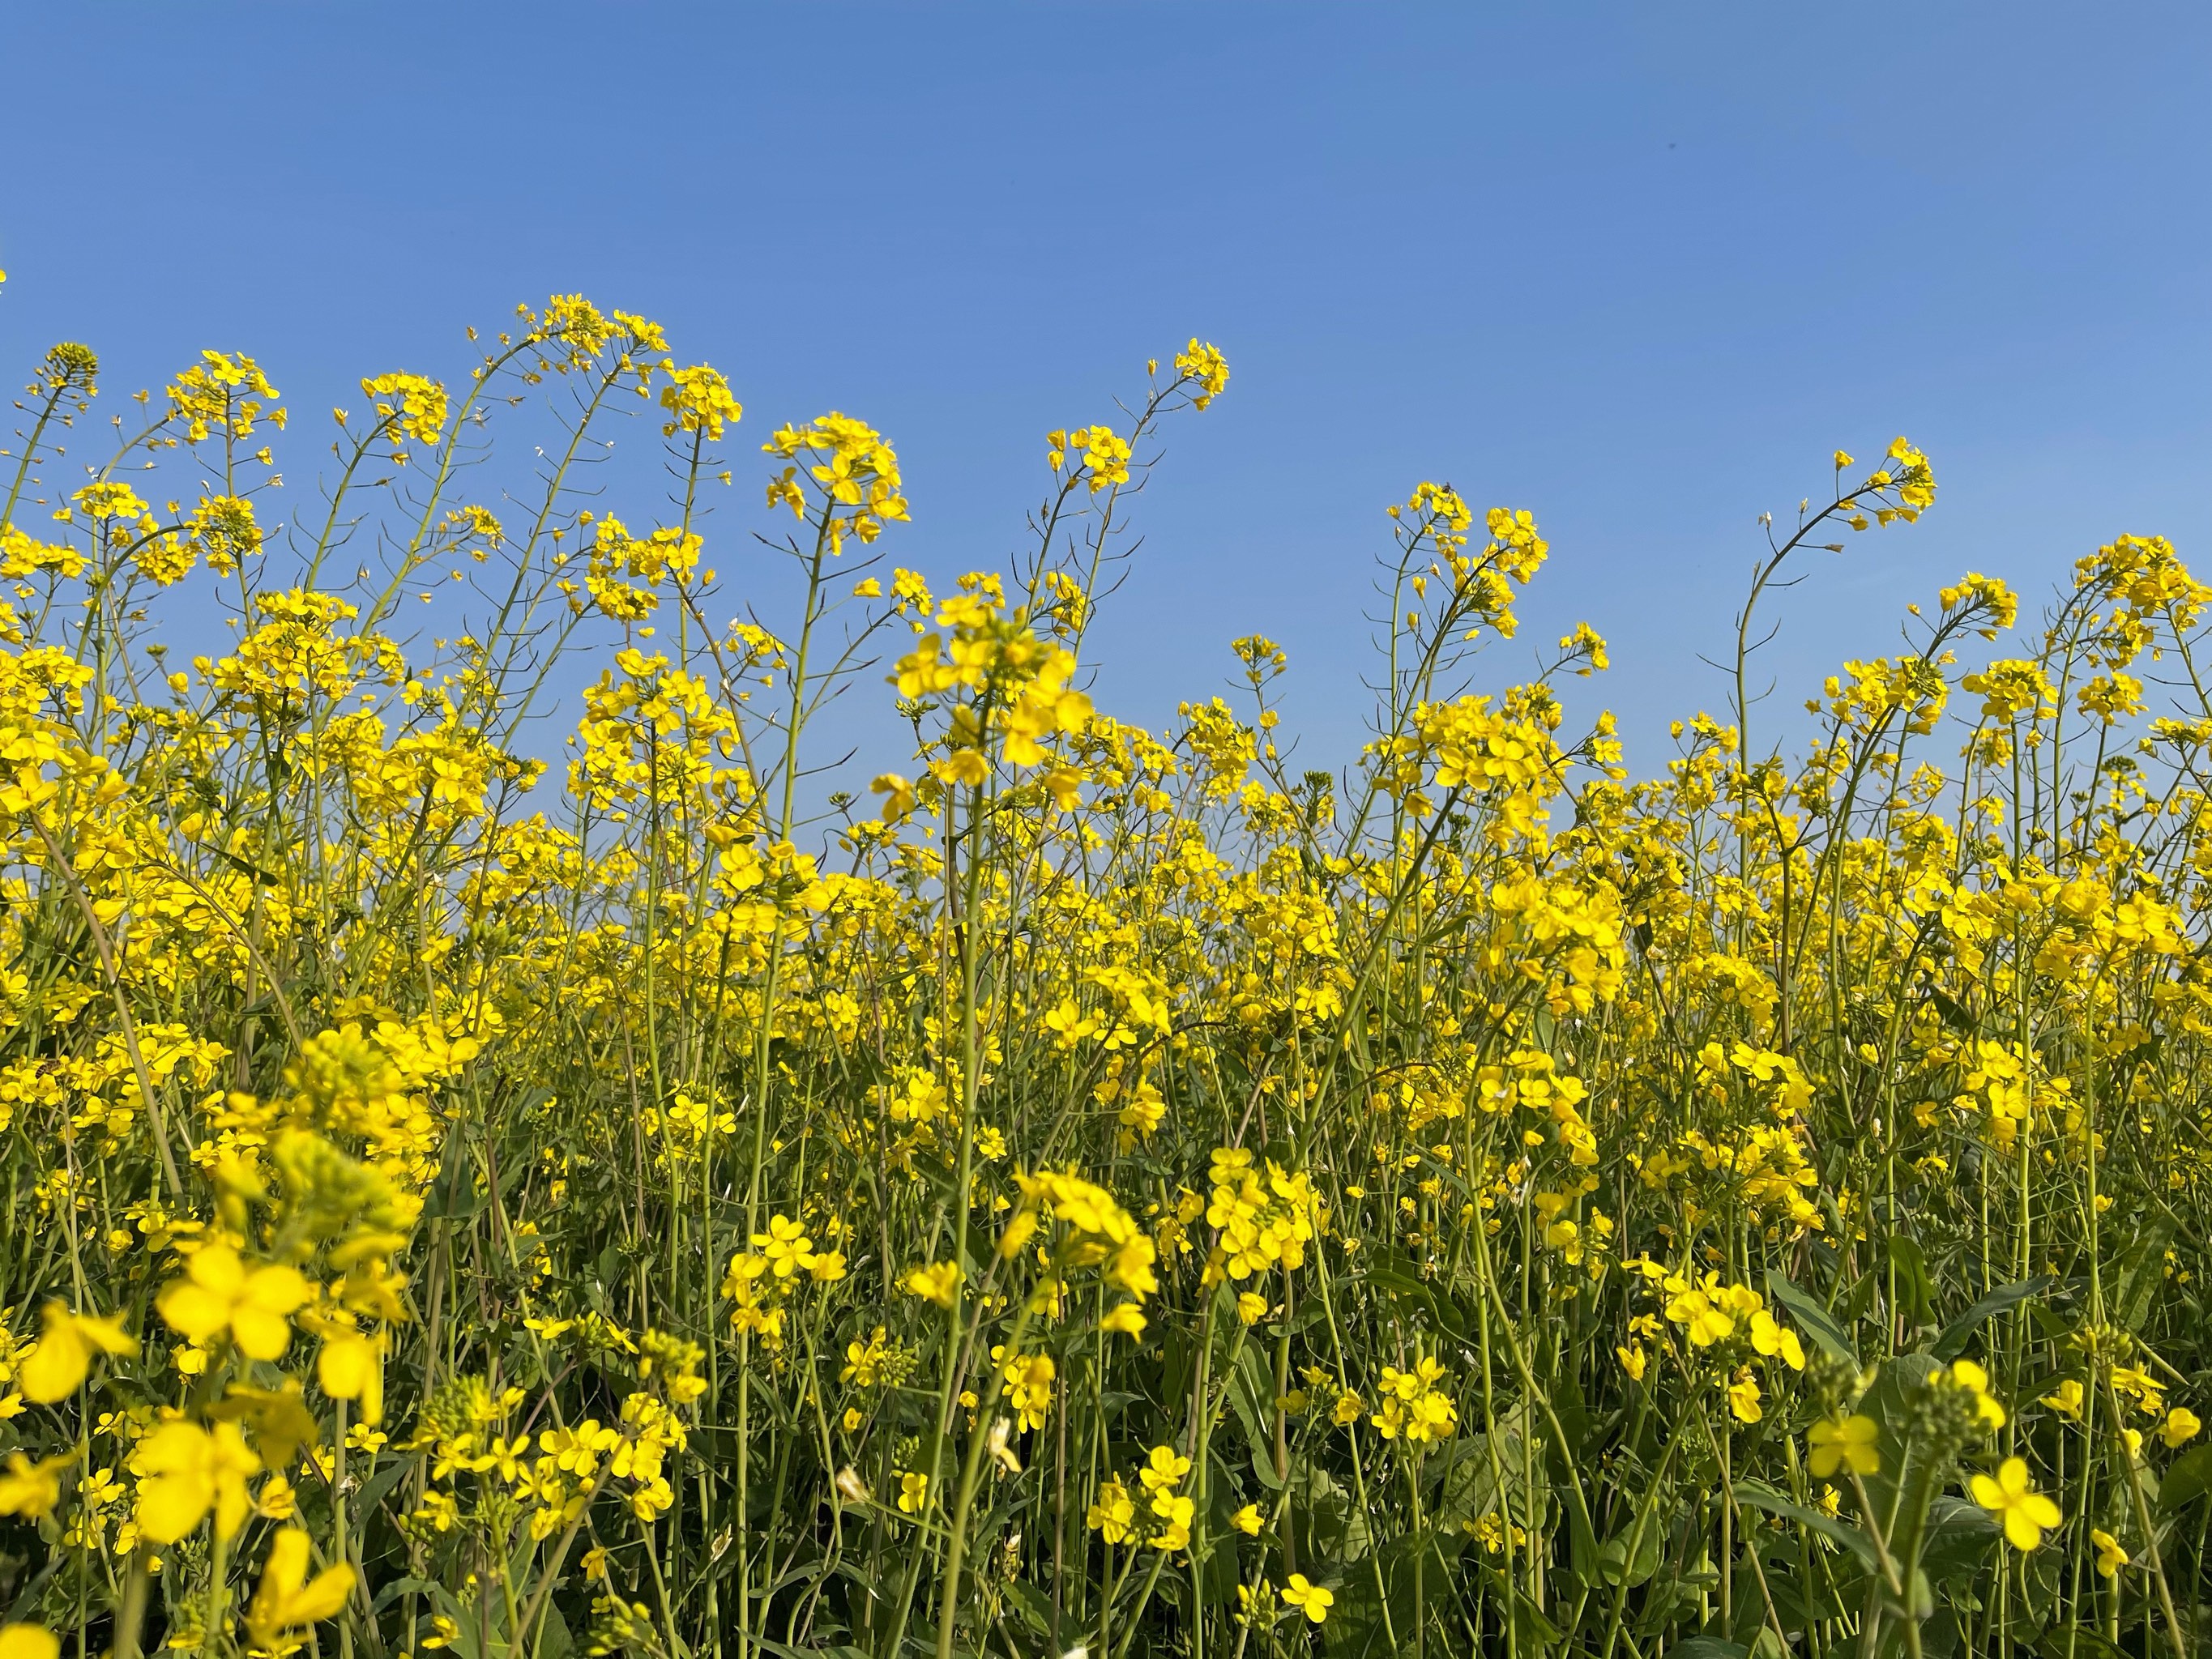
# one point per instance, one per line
(193, 1310)
(56, 1368)
(216, 1267)
(171, 1505)
(28, 1642)
(277, 1290)
(106, 1334)
(232, 1505)
(324, 1597)
(286, 1569)
(259, 1333)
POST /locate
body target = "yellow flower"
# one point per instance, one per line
(1111, 1514)
(1633, 1360)
(1847, 1442)
(2110, 1557)
(219, 1293)
(1743, 1397)
(2025, 1513)
(1246, 1521)
(31, 1489)
(937, 1283)
(1250, 1309)
(2180, 1426)
(786, 1245)
(1966, 1374)
(287, 1598)
(914, 1493)
(698, 399)
(1706, 1324)
(57, 1366)
(1310, 1599)
(1127, 1319)
(28, 1642)
(1773, 1339)
(1175, 1513)
(185, 1470)
(2066, 1398)
(351, 1367)
(1164, 1468)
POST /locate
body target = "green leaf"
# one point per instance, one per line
(1754, 1495)
(2074, 1640)
(1956, 1334)
(1709, 1647)
(1958, 1539)
(1915, 1290)
(2189, 1479)
(2142, 1271)
(1820, 1324)
(1614, 1565)
(1029, 1602)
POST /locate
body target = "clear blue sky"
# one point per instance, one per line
(1637, 268)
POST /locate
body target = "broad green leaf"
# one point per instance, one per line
(1752, 1494)
(1961, 1331)
(1820, 1324)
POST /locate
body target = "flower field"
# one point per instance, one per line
(1095, 1189)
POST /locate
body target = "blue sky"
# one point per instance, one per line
(1636, 268)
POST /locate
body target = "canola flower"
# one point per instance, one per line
(1100, 1186)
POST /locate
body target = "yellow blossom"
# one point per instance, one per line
(2026, 1514)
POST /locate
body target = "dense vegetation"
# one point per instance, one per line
(1121, 1194)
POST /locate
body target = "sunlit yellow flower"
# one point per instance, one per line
(57, 1366)
(351, 1367)
(32, 1490)
(2110, 1557)
(1114, 1512)
(220, 1293)
(2026, 1514)
(186, 1471)
(1308, 1598)
(288, 1599)
(1743, 1398)
(937, 1283)
(1846, 1443)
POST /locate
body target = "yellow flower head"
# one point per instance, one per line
(32, 1490)
(939, 1282)
(1308, 1598)
(288, 1600)
(185, 1470)
(2110, 1557)
(1847, 1443)
(58, 1365)
(220, 1293)
(2027, 1513)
